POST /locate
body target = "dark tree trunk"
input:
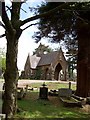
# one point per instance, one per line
(83, 69)
(11, 76)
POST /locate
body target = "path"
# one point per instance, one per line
(27, 82)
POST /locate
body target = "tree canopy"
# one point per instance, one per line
(62, 24)
(42, 49)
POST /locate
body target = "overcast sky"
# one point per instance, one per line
(26, 42)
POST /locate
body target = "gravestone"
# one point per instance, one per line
(43, 93)
(69, 85)
(65, 95)
(64, 92)
(20, 94)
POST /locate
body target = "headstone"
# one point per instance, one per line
(20, 94)
(69, 85)
(26, 88)
(64, 92)
(53, 93)
(43, 93)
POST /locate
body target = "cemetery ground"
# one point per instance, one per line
(34, 108)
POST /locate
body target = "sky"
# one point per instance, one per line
(26, 43)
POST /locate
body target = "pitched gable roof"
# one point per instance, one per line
(45, 59)
(34, 61)
(48, 58)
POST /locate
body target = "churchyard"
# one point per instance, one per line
(31, 106)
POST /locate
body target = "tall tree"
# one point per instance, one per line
(72, 47)
(72, 20)
(41, 49)
(83, 71)
(13, 31)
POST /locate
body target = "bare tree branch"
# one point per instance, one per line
(83, 20)
(29, 26)
(23, 10)
(5, 18)
(2, 35)
(15, 15)
(1, 24)
(8, 8)
(45, 14)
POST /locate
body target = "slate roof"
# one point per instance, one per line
(47, 59)
(34, 61)
(44, 59)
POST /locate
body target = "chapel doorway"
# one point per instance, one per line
(57, 71)
(46, 73)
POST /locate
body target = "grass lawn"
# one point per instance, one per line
(32, 107)
(1, 80)
(53, 85)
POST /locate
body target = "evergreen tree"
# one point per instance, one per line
(72, 21)
(42, 49)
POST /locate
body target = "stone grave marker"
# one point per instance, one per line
(43, 93)
(64, 92)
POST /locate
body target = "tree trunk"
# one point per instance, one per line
(11, 75)
(83, 69)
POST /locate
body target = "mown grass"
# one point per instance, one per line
(53, 85)
(36, 108)
(1, 79)
(32, 107)
(44, 109)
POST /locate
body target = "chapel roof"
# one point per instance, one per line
(45, 59)
(48, 58)
(34, 61)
